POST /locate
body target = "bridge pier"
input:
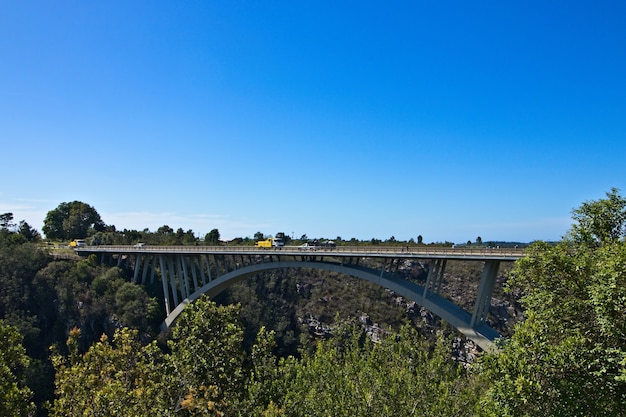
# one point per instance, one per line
(436, 270)
(485, 291)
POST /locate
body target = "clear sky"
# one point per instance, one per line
(446, 119)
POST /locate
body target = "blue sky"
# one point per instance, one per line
(449, 120)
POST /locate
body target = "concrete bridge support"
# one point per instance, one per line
(485, 291)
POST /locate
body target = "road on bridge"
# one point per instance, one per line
(422, 252)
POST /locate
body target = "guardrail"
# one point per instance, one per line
(396, 251)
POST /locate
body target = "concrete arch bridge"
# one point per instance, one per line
(186, 272)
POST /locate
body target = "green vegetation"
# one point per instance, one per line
(14, 394)
(207, 373)
(72, 220)
(569, 356)
(251, 356)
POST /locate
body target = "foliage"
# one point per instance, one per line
(15, 397)
(212, 238)
(12, 234)
(72, 220)
(573, 341)
(19, 265)
(208, 357)
(403, 375)
(44, 298)
(6, 221)
(600, 222)
(208, 373)
(203, 374)
(111, 379)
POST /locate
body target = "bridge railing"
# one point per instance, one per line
(299, 250)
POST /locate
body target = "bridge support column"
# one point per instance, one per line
(382, 269)
(182, 276)
(194, 275)
(435, 271)
(166, 295)
(171, 277)
(485, 290)
(208, 268)
(137, 267)
(146, 265)
(201, 267)
(154, 261)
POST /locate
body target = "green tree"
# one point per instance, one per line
(265, 385)
(29, 233)
(212, 238)
(19, 265)
(72, 220)
(402, 375)
(600, 222)
(134, 307)
(208, 357)
(6, 221)
(112, 379)
(15, 397)
(568, 357)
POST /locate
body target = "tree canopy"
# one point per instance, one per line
(73, 220)
(600, 222)
(15, 396)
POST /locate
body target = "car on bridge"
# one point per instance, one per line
(309, 246)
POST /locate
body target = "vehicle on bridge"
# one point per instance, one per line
(316, 244)
(77, 243)
(272, 242)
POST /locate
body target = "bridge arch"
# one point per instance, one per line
(483, 335)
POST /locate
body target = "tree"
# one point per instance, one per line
(28, 232)
(600, 222)
(134, 307)
(420, 240)
(208, 357)
(14, 395)
(212, 238)
(112, 379)
(479, 240)
(6, 221)
(573, 339)
(188, 238)
(71, 221)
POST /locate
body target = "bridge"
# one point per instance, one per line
(187, 272)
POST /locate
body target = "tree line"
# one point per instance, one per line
(78, 220)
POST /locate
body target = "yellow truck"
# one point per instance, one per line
(77, 243)
(272, 242)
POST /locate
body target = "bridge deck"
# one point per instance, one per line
(473, 254)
